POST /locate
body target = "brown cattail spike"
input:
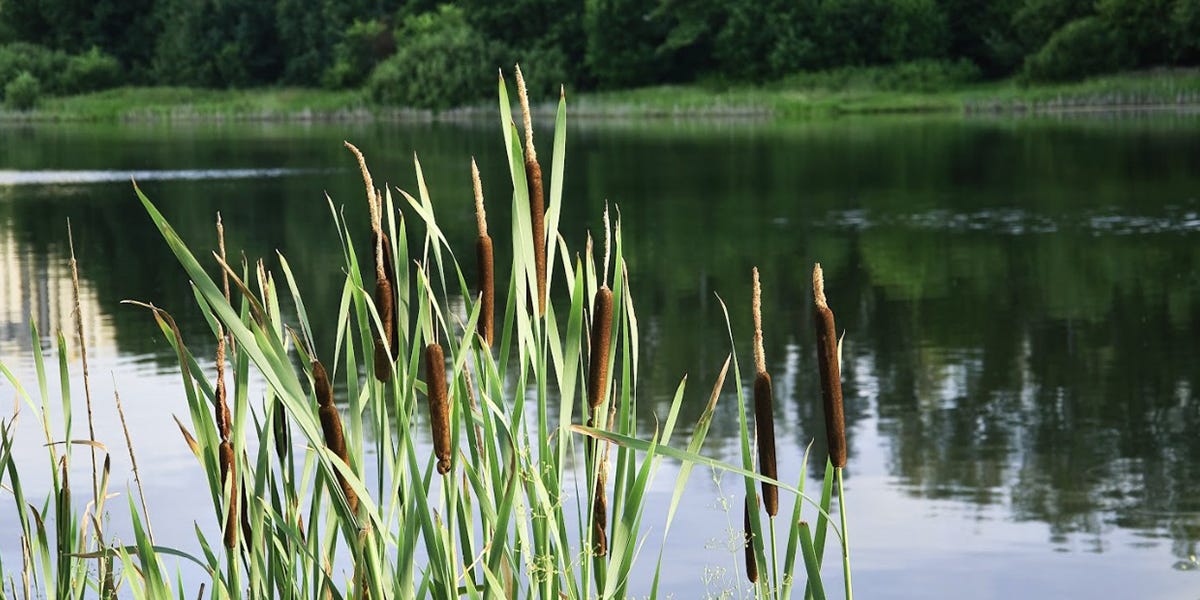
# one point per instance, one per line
(486, 264)
(764, 415)
(602, 314)
(439, 405)
(537, 207)
(229, 474)
(331, 427)
(830, 372)
(600, 516)
(751, 563)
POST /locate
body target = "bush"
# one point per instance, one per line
(22, 92)
(1185, 22)
(90, 71)
(364, 45)
(44, 64)
(1085, 47)
(441, 62)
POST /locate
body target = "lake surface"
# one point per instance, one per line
(1021, 300)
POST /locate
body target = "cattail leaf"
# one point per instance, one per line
(557, 168)
(789, 560)
(297, 300)
(811, 563)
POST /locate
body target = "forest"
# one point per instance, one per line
(423, 53)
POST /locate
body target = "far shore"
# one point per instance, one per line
(1176, 90)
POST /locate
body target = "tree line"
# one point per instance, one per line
(429, 53)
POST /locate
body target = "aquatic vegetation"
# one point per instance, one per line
(528, 500)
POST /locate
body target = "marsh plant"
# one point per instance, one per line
(537, 482)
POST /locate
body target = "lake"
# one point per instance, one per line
(1021, 301)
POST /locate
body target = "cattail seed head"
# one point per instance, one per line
(384, 304)
(600, 516)
(487, 288)
(830, 372)
(439, 405)
(602, 315)
(751, 563)
(331, 428)
(764, 421)
(537, 216)
(229, 474)
(321, 386)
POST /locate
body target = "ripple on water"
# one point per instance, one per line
(12, 178)
(1017, 221)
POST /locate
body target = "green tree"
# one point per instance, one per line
(1144, 27)
(440, 62)
(622, 43)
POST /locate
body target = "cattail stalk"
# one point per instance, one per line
(830, 371)
(537, 207)
(331, 427)
(485, 263)
(439, 405)
(748, 532)
(764, 416)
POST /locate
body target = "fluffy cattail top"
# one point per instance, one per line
(523, 94)
(760, 360)
(830, 371)
(480, 213)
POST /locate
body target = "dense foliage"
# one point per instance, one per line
(601, 44)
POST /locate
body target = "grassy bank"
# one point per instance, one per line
(844, 92)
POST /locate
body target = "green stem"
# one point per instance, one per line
(845, 534)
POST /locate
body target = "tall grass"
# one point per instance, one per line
(522, 496)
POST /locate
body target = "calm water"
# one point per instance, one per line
(1021, 300)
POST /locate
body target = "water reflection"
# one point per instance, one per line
(1020, 297)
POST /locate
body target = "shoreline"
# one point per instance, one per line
(1130, 92)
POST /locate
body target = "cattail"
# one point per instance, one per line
(331, 426)
(751, 563)
(830, 371)
(537, 208)
(385, 288)
(229, 473)
(764, 416)
(486, 264)
(602, 314)
(600, 516)
(439, 406)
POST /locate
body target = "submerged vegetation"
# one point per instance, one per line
(520, 496)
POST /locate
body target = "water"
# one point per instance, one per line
(1020, 297)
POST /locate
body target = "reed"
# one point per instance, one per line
(331, 427)
(439, 405)
(485, 263)
(764, 414)
(537, 203)
(829, 371)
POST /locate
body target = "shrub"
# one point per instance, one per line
(22, 92)
(1185, 22)
(90, 71)
(44, 64)
(916, 76)
(364, 45)
(1086, 46)
(441, 62)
